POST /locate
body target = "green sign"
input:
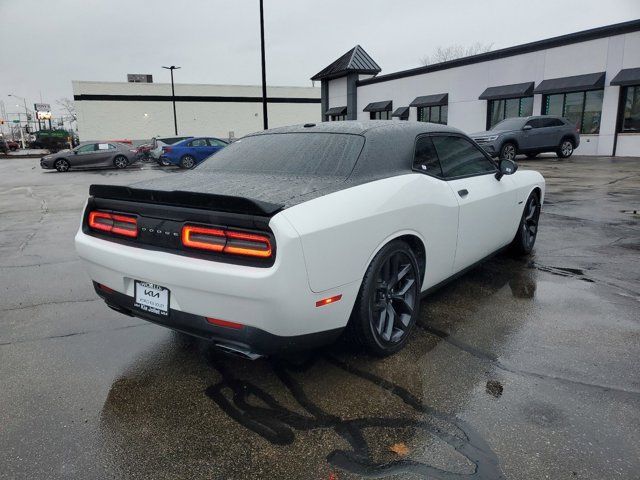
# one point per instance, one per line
(16, 121)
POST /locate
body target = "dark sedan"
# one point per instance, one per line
(91, 155)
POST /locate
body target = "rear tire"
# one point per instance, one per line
(525, 238)
(388, 302)
(120, 162)
(508, 151)
(62, 165)
(187, 162)
(566, 148)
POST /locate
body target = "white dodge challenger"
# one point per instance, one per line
(289, 237)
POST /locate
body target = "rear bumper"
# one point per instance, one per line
(276, 301)
(247, 338)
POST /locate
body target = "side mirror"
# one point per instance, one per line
(506, 167)
(527, 127)
(75, 152)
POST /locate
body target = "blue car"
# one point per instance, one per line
(190, 152)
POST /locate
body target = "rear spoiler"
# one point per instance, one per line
(179, 198)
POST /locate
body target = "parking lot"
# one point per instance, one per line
(520, 369)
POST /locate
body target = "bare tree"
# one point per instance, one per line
(444, 54)
(69, 108)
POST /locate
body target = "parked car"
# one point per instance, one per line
(158, 142)
(143, 152)
(531, 136)
(13, 145)
(89, 155)
(289, 236)
(4, 146)
(188, 153)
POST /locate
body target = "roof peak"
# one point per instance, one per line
(356, 60)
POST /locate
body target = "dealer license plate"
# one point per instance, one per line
(151, 298)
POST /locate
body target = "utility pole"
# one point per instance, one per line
(26, 114)
(264, 70)
(173, 98)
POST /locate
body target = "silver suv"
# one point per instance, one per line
(530, 136)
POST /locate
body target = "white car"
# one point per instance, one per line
(287, 237)
(156, 147)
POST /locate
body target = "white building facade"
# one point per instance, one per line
(590, 77)
(140, 111)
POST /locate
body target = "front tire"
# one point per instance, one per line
(388, 302)
(525, 238)
(120, 162)
(187, 162)
(566, 149)
(508, 151)
(62, 165)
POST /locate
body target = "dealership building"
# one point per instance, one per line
(139, 110)
(591, 77)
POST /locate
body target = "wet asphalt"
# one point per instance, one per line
(520, 369)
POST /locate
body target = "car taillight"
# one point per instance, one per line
(114, 223)
(226, 241)
(166, 149)
(212, 239)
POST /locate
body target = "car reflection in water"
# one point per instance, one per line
(184, 407)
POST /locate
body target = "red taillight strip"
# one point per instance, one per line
(226, 241)
(124, 225)
(224, 323)
(200, 241)
(248, 244)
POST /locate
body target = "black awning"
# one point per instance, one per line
(384, 106)
(401, 112)
(431, 100)
(577, 83)
(515, 90)
(626, 77)
(336, 111)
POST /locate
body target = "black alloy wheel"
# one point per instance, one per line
(525, 239)
(61, 165)
(388, 302)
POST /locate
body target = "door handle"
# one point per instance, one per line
(463, 193)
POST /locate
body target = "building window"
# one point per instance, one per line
(337, 118)
(509, 107)
(631, 109)
(386, 115)
(583, 109)
(435, 114)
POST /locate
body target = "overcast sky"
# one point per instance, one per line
(44, 44)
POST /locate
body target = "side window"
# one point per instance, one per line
(535, 123)
(552, 122)
(198, 142)
(426, 158)
(214, 142)
(459, 157)
(87, 148)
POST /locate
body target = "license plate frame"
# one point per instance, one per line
(152, 298)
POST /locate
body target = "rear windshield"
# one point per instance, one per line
(325, 154)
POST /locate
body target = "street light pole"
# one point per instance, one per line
(26, 118)
(173, 98)
(264, 71)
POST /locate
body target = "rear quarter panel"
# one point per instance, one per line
(341, 232)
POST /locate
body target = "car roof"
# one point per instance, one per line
(363, 127)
